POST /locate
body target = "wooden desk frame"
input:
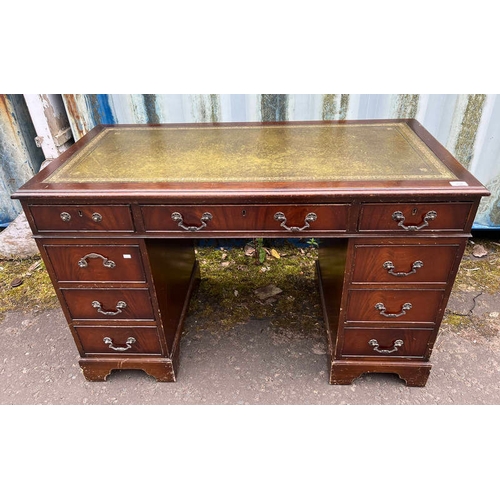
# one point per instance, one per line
(121, 254)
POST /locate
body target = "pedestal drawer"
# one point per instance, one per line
(413, 218)
(119, 340)
(96, 263)
(403, 263)
(82, 217)
(387, 342)
(391, 305)
(109, 304)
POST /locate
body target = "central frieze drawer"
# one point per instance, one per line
(403, 263)
(119, 340)
(109, 304)
(82, 218)
(276, 218)
(390, 305)
(96, 263)
(411, 218)
(387, 342)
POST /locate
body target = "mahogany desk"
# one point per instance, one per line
(115, 218)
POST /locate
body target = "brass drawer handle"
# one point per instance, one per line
(65, 216)
(105, 261)
(398, 216)
(381, 308)
(395, 345)
(280, 217)
(96, 217)
(390, 268)
(119, 308)
(177, 217)
(128, 344)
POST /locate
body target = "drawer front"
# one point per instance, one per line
(82, 217)
(389, 305)
(276, 218)
(96, 263)
(119, 340)
(387, 342)
(109, 304)
(414, 218)
(403, 263)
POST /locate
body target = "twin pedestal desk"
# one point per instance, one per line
(116, 217)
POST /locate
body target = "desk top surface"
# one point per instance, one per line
(325, 152)
(322, 155)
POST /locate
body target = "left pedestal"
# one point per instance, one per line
(125, 301)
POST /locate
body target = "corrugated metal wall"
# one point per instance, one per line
(19, 156)
(467, 124)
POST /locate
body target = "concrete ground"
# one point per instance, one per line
(250, 364)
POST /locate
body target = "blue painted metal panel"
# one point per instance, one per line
(104, 111)
(19, 156)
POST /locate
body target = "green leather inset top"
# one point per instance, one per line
(270, 153)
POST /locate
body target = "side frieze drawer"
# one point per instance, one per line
(96, 263)
(92, 218)
(414, 218)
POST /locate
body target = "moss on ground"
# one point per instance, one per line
(36, 291)
(230, 278)
(476, 274)
(479, 273)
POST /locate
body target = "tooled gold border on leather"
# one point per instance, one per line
(63, 174)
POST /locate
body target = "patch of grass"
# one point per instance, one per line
(34, 294)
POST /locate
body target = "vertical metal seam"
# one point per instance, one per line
(329, 108)
(150, 108)
(464, 146)
(407, 106)
(344, 106)
(274, 107)
(214, 107)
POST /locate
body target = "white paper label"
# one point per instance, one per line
(458, 183)
(127, 256)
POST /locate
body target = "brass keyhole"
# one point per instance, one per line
(414, 211)
(244, 213)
